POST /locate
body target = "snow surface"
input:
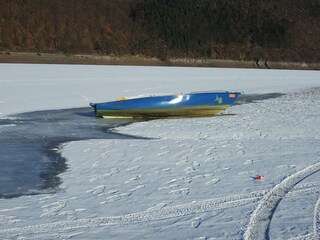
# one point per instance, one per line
(193, 178)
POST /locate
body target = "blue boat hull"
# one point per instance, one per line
(181, 105)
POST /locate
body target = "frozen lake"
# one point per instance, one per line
(66, 174)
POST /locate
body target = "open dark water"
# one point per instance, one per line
(29, 158)
(30, 162)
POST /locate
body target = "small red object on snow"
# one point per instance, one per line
(259, 177)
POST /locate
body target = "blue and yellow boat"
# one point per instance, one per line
(179, 105)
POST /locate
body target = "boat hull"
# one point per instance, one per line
(181, 105)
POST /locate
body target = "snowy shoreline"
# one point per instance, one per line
(194, 178)
(138, 60)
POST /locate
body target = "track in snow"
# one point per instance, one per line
(316, 221)
(258, 227)
(157, 213)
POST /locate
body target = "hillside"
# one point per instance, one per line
(213, 29)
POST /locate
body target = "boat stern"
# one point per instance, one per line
(233, 96)
(94, 105)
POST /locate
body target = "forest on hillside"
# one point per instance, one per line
(287, 30)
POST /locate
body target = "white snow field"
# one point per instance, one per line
(187, 178)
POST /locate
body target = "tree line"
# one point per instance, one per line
(286, 30)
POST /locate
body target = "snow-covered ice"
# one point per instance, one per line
(187, 178)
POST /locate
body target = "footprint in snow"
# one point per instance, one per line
(241, 152)
(133, 168)
(138, 159)
(104, 176)
(166, 170)
(189, 170)
(209, 151)
(213, 181)
(171, 181)
(113, 192)
(97, 190)
(168, 187)
(286, 166)
(96, 164)
(69, 212)
(115, 198)
(248, 162)
(87, 150)
(182, 162)
(210, 159)
(157, 207)
(223, 169)
(133, 179)
(187, 179)
(196, 164)
(137, 188)
(196, 222)
(164, 147)
(183, 191)
(163, 153)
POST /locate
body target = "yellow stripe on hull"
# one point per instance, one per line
(163, 112)
(115, 117)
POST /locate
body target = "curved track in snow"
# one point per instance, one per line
(259, 223)
(316, 221)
